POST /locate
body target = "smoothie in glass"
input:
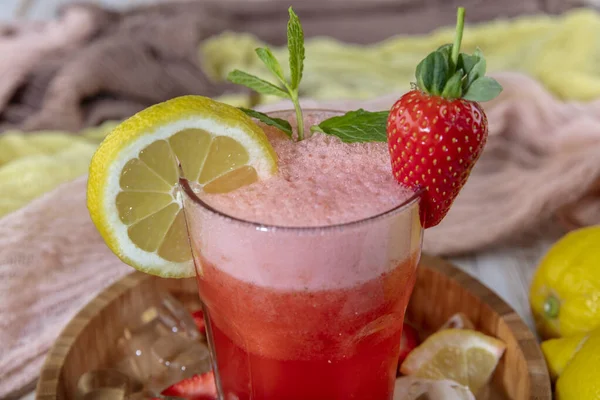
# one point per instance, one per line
(306, 276)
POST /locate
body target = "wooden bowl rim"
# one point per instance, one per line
(48, 386)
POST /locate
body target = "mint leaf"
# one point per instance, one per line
(295, 38)
(278, 123)
(356, 126)
(483, 89)
(271, 62)
(257, 84)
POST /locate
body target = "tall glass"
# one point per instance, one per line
(305, 313)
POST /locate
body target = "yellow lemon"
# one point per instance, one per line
(575, 361)
(565, 292)
(465, 356)
(133, 192)
(559, 352)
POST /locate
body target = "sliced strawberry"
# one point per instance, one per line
(409, 340)
(199, 320)
(198, 387)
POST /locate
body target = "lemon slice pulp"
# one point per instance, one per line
(465, 356)
(133, 187)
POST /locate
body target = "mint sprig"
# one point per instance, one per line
(284, 88)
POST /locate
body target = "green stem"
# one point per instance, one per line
(299, 119)
(460, 25)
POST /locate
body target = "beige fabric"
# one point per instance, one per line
(541, 155)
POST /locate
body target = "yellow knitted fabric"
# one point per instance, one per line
(37, 162)
(562, 52)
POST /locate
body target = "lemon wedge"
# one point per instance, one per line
(465, 356)
(133, 192)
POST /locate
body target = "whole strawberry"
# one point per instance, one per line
(436, 132)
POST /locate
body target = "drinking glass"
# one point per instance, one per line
(304, 312)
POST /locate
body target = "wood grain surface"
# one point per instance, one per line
(88, 341)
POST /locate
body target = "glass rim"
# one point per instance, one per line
(398, 209)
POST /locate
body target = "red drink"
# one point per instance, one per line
(329, 345)
(306, 276)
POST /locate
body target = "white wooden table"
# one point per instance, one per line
(507, 270)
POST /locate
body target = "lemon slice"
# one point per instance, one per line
(133, 192)
(467, 357)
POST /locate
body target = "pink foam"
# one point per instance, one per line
(321, 181)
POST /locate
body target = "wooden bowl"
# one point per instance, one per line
(441, 290)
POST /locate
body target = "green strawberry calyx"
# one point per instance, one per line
(448, 73)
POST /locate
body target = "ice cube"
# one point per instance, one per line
(165, 314)
(165, 317)
(135, 346)
(132, 368)
(174, 358)
(106, 384)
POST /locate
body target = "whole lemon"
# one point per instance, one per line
(575, 361)
(565, 292)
